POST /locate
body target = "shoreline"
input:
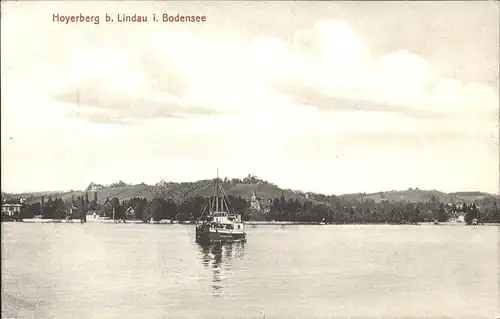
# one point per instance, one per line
(250, 223)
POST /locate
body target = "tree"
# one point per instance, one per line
(434, 199)
(59, 210)
(48, 209)
(119, 184)
(454, 208)
(155, 209)
(472, 213)
(30, 210)
(442, 214)
(119, 209)
(170, 209)
(83, 209)
(239, 205)
(107, 208)
(469, 215)
(92, 205)
(408, 212)
(417, 213)
(495, 213)
(190, 208)
(86, 203)
(111, 206)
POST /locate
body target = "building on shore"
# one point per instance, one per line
(258, 205)
(130, 213)
(95, 187)
(11, 209)
(254, 202)
(73, 211)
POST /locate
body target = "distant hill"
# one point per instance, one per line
(123, 193)
(418, 196)
(472, 195)
(245, 189)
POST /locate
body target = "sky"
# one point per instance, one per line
(329, 97)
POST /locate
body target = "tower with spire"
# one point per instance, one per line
(254, 202)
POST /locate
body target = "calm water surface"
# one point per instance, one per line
(157, 271)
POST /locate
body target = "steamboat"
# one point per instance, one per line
(218, 222)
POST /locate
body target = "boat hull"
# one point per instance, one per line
(219, 237)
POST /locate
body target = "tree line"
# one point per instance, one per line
(329, 209)
(339, 211)
(158, 208)
(57, 208)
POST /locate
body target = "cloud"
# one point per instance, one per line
(327, 101)
(328, 66)
(97, 100)
(334, 45)
(330, 53)
(105, 85)
(171, 75)
(331, 68)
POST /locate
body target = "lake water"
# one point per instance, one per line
(157, 271)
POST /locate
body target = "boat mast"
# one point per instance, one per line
(217, 192)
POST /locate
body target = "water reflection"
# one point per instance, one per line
(219, 259)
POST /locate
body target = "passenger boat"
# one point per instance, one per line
(218, 222)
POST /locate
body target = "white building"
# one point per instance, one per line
(11, 209)
(96, 187)
(254, 202)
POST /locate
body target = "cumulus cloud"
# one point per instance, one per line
(105, 83)
(330, 67)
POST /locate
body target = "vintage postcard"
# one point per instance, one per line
(250, 159)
